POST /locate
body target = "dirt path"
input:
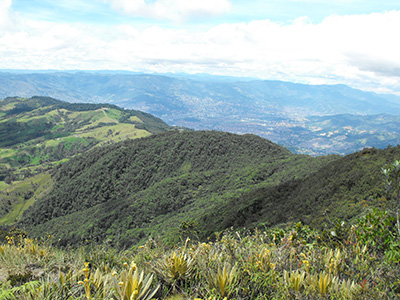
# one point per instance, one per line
(105, 114)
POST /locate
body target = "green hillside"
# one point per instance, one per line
(40, 132)
(344, 188)
(39, 129)
(124, 192)
(167, 182)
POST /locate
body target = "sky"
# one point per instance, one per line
(353, 42)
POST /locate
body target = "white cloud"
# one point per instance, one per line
(358, 50)
(5, 21)
(175, 10)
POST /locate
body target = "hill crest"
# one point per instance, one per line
(40, 132)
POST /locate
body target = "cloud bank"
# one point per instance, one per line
(5, 21)
(358, 50)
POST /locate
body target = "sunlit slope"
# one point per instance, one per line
(40, 132)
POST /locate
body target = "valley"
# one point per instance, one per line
(286, 113)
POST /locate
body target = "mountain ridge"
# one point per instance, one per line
(214, 180)
(275, 110)
(40, 132)
(147, 183)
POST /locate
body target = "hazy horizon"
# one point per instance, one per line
(350, 42)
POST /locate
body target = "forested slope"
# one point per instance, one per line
(126, 191)
(210, 180)
(345, 188)
(40, 132)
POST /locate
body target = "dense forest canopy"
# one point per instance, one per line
(127, 191)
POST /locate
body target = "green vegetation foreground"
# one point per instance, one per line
(360, 261)
(355, 261)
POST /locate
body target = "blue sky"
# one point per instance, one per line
(354, 42)
(283, 11)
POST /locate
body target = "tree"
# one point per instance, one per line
(7, 180)
(392, 186)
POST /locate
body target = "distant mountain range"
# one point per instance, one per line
(287, 113)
